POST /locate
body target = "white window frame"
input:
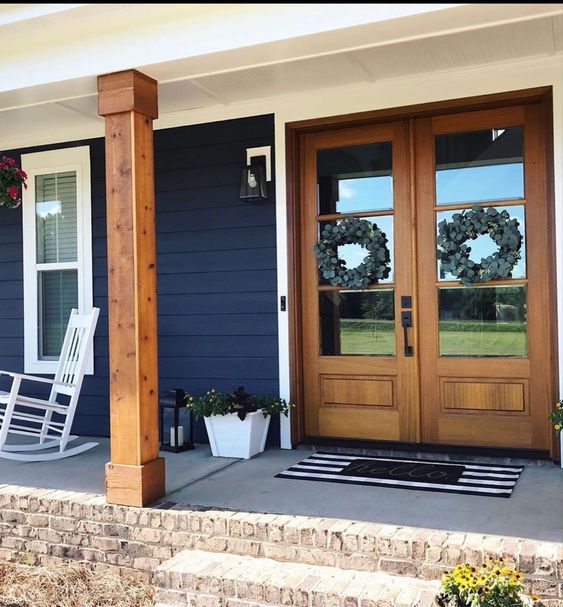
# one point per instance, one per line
(44, 163)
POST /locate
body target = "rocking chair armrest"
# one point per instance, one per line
(43, 380)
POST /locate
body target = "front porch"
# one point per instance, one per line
(229, 533)
(195, 478)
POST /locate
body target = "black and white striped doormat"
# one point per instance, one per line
(465, 478)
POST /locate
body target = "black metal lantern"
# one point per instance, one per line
(176, 422)
(253, 186)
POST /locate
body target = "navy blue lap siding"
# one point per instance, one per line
(216, 270)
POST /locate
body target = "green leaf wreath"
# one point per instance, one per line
(454, 254)
(375, 266)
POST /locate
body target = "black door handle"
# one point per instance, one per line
(406, 322)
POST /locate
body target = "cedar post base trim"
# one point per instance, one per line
(135, 485)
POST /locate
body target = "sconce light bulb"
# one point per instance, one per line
(252, 183)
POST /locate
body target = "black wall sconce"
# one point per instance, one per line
(255, 175)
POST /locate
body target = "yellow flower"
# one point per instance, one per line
(558, 405)
(558, 426)
(534, 598)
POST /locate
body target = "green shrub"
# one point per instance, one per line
(239, 401)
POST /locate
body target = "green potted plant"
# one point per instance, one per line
(237, 423)
(490, 585)
(12, 182)
(556, 417)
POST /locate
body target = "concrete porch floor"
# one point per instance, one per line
(195, 477)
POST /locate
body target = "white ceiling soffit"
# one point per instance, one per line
(511, 42)
(75, 110)
(456, 51)
(181, 41)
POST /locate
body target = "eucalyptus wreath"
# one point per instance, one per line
(376, 265)
(454, 254)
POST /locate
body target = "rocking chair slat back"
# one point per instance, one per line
(74, 353)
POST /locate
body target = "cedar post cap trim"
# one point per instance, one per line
(128, 91)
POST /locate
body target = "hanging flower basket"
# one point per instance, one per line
(12, 182)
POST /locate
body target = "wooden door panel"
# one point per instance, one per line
(364, 396)
(479, 388)
(360, 390)
(343, 423)
(475, 394)
(489, 400)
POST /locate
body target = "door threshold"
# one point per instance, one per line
(426, 450)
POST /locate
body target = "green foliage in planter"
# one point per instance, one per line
(12, 181)
(556, 416)
(490, 585)
(239, 401)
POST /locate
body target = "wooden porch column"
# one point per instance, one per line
(135, 474)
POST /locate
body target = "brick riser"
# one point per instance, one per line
(57, 525)
(205, 579)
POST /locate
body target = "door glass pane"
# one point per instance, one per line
(354, 254)
(55, 214)
(483, 246)
(356, 178)
(357, 322)
(479, 166)
(58, 294)
(483, 321)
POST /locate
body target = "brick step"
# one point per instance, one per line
(407, 551)
(196, 578)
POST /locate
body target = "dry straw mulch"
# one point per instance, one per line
(69, 586)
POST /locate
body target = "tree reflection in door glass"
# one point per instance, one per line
(357, 323)
(483, 321)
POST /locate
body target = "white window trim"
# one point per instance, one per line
(41, 163)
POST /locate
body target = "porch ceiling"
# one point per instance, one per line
(40, 114)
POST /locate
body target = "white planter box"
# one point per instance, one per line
(231, 437)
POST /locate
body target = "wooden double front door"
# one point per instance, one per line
(417, 354)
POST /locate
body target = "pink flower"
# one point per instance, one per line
(21, 173)
(9, 161)
(13, 192)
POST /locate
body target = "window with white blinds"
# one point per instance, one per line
(57, 250)
(55, 212)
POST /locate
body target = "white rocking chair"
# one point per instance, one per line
(35, 415)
